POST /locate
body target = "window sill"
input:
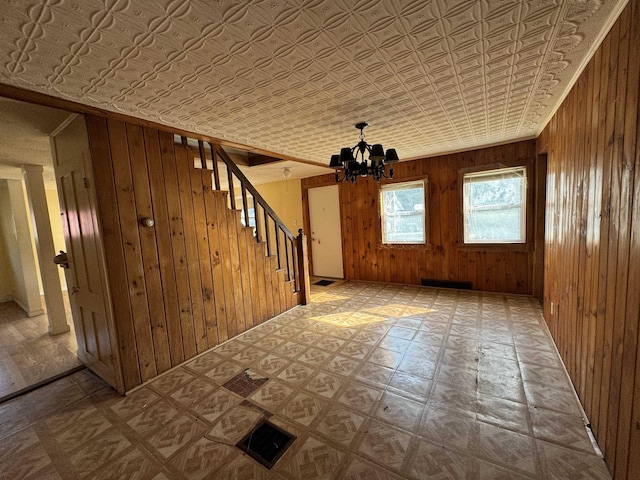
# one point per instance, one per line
(404, 246)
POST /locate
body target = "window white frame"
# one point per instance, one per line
(470, 207)
(419, 214)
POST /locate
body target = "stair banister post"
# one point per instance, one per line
(303, 266)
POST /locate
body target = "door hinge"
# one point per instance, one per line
(86, 182)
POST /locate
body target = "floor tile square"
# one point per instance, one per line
(204, 363)
(314, 357)
(374, 374)
(562, 463)
(385, 444)
(212, 406)
(99, 451)
(231, 427)
(360, 397)
(134, 464)
(437, 461)
(174, 435)
(314, 459)
(555, 427)
(272, 364)
(153, 417)
(360, 469)
(272, 394)
(418, 366)
(385, 358)
(224, 371)
(296, 373)
(135, 402)
(506, 448)
(324, 384)
(410, 386)
(446, 427)
(399, 411)
(340, 425)
(302, 408)
(341, 365)
(201, 458)
(190, 392)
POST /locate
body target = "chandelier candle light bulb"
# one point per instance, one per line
(352, 162)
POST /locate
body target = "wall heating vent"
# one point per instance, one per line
(428, 282)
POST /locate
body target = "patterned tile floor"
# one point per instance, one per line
(376, 381)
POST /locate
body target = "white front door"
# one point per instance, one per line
(326, 237)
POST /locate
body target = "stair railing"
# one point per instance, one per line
(268, 228)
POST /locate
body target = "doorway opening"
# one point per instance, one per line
(34, 346)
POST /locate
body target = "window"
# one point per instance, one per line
(402, 212)
(495, 206)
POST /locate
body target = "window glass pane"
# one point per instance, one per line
(494, 206)
(494, 225)
(403, 213)
(495, 191)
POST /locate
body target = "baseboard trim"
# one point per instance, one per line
(30, 313)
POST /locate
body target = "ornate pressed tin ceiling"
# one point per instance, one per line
(293, 77)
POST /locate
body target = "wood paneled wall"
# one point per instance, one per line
(506, 268)
(193, 280)
(592, 245)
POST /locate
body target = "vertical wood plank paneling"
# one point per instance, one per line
(149, 248)
(227, 275)
(114, 248)
(268, 275)
(163, 238)
(253, 277)
(195, 322)
(174, 210)
(135, 275)
(245, 279)
(592, 260)
(233, 220)
(216, 263)
(631, 292)
(194, 279)
(365, 258)
(198, 191)
(633, 301)
(620, 186)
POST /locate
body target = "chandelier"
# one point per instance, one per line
(353, 164)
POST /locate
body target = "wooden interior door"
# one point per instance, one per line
(326, 237)
(86, 275)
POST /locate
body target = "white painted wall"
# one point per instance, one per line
(17, 236)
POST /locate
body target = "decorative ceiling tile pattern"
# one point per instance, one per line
(292, 77)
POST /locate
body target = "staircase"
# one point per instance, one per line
(184, 270)
(265, 278)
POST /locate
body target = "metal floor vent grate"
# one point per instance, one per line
(324, 283)
(266, 443)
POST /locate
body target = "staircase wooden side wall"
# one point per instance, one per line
(194, 279)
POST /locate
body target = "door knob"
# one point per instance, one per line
(61, 260)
